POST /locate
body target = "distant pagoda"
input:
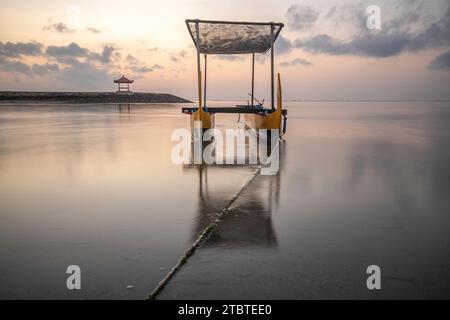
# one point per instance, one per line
(123, 84)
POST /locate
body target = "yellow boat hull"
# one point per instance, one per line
(269, 121)
(207, 119)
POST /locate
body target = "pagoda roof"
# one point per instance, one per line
(123, 80)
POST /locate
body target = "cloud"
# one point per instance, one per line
(131, 59)
(331, 12)
(81, 68)
(93, 30)
(14, 66)
(147, 47)
(66, 54)
(183, 53)
(229, 57)
(145, 69)
(71, 50)
(436, 35)
(441, 62)
(58, 27)
(75, 64)
(295, 62)
(43, 69)
(15, 50)
(105, 56)
(179, 55)
(301, 17)
(11, 53)
(348, 16)
(139, 67)
(374, 45)
(282, 45)
(385, 43)
(84, 74)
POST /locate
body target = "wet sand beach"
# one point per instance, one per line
(360, 183)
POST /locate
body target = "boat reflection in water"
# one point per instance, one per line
(249, 221)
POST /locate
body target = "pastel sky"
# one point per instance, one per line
(326, 50)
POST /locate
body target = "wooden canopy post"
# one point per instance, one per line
(199, 76)
(253, 79)
(272, 72)
(204, 83)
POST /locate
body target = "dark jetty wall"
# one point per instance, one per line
(92, 97)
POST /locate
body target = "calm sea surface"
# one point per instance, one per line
(93, 185)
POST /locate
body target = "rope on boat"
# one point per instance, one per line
(203, 236)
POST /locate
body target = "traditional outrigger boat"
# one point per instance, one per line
(230, 37)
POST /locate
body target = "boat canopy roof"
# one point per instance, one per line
(230, 37)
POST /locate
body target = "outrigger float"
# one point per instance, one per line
(230, 37)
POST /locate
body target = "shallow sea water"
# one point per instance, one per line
(360, 183)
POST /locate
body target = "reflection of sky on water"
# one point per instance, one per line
(249, 222)
(362, 184)
(359, 184)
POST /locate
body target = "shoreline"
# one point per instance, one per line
(91, 97)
